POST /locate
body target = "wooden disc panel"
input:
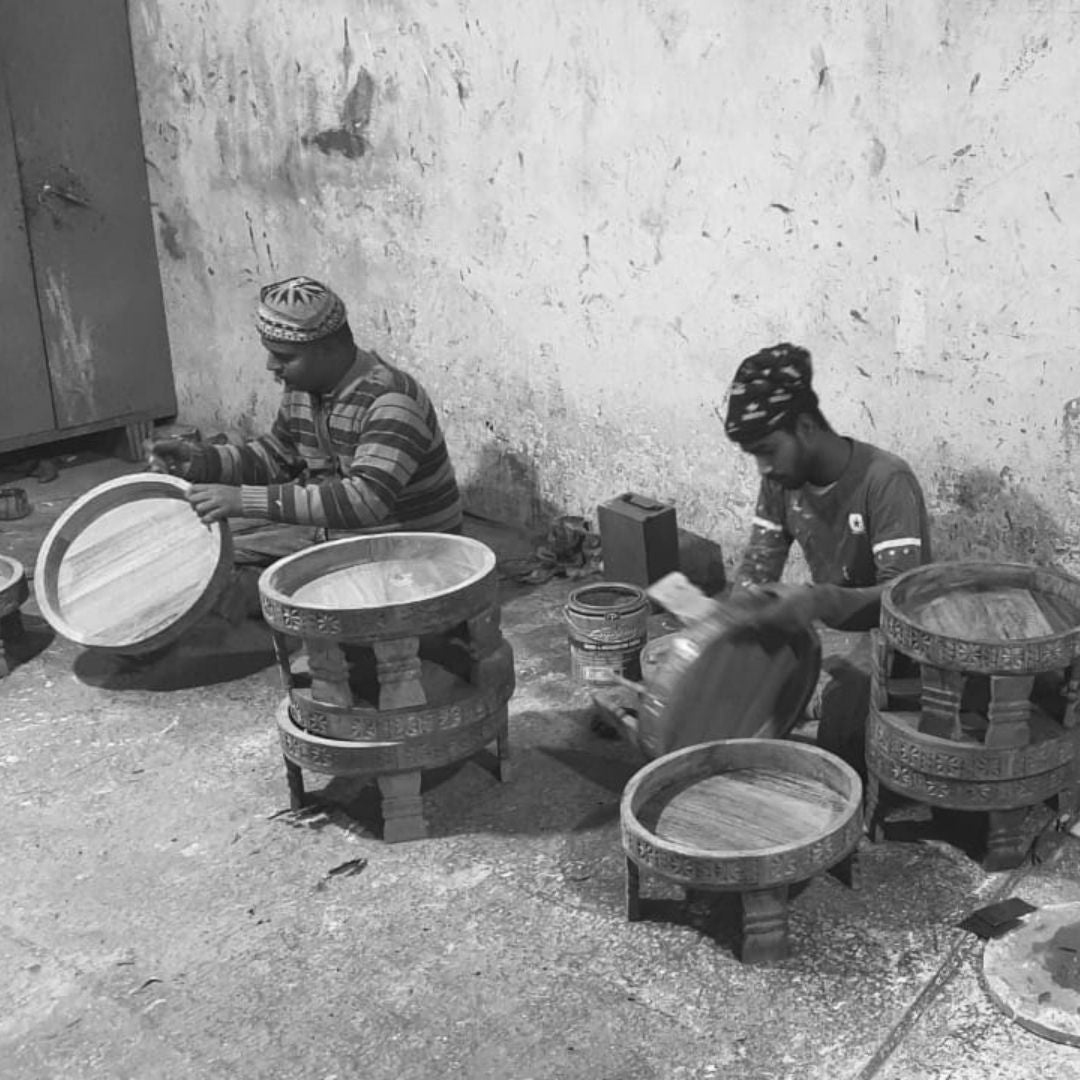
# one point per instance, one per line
(712, 681)
(129, 566)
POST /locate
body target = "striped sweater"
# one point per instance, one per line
(368, 457)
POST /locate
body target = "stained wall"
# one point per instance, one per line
(571, 219)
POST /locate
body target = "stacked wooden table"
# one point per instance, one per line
(989, 722)
(408, 668)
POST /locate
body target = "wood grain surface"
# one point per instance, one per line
(1010, 614)
(743, 810)
(134, 570)
(130, 565)
(384, 583)
(716, 683)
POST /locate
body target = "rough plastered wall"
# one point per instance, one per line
(571, 218)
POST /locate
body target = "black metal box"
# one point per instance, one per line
(639, 539)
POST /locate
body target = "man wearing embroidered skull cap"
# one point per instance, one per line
(356, 445)
(857, 513)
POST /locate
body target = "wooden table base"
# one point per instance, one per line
(399, 792)
(764, 911)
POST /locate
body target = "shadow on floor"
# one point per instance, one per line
(36, 637)
(213, 652)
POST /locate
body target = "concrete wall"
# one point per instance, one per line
(571, 218)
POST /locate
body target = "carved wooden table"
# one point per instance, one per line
(13, 593)
(989, 723)
(746, 816)
(408, 666)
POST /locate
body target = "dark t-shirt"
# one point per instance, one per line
(864, 529)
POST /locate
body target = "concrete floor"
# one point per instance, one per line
(166, 917)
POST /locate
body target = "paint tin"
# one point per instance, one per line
(607, 628)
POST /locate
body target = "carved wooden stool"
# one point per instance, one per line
(989, 724)
(13, 593)
(408, 667)
(746, 816)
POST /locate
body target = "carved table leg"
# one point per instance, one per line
(1006, 843)
(11, 630)
(764, 925)
(397, 663)
(402, 807)
(633, 890)
(281, 655)
(502, 746)
(941, 694)
(846, 871)
(1009, 711)
(295, 777)
(873, 810)
(329, 672)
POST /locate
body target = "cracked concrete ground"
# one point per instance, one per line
(166, 917)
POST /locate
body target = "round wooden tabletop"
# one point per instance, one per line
(742, 813)
(989, 618)
(129, 566)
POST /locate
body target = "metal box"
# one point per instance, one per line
(639, 539)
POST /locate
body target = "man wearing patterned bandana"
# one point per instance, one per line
(356, 446)
(857, 513)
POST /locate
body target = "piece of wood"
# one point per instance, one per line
(129, 566)
(1009, 710)
(1032, 973)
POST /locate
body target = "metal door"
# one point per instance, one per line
(71, 88)
(25, 396)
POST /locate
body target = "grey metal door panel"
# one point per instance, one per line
(25, 394)
(79, 145)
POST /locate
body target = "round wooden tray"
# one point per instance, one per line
(369, 588)
(984, 618)
(716, 682)
(742, 814)
(1032, 973)
(13, 587)
(129, 566)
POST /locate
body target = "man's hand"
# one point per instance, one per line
(215, 502)
(784, 608)
(168, 456)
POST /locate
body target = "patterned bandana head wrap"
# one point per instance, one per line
(298, 310)
(770, 387)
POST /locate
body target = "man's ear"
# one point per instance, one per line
(805, 428)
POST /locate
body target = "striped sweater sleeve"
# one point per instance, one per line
(268, 459)
(394, 437)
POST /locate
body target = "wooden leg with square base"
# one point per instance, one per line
(295, 777)
(764, 925)
(633, 891)
(402, 807)
(1007, 844)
